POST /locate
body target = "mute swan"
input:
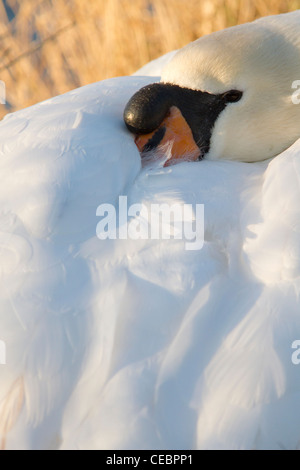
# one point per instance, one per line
(134, 344)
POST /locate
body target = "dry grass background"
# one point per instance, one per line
(48, 47)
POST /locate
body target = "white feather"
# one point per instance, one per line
(122, 344)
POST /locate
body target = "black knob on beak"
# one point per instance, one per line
(147, 108)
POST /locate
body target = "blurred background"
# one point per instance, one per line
(51, 46)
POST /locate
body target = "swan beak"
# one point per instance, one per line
(173, 138)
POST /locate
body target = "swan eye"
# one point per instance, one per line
(233, 96)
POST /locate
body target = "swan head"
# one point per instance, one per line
(227, 95)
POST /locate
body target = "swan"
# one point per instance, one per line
(123, 343)
(235, 90)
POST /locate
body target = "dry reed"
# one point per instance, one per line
(51, 46)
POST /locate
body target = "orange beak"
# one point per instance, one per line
(177, 143)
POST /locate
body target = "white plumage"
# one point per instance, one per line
(121, 344)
